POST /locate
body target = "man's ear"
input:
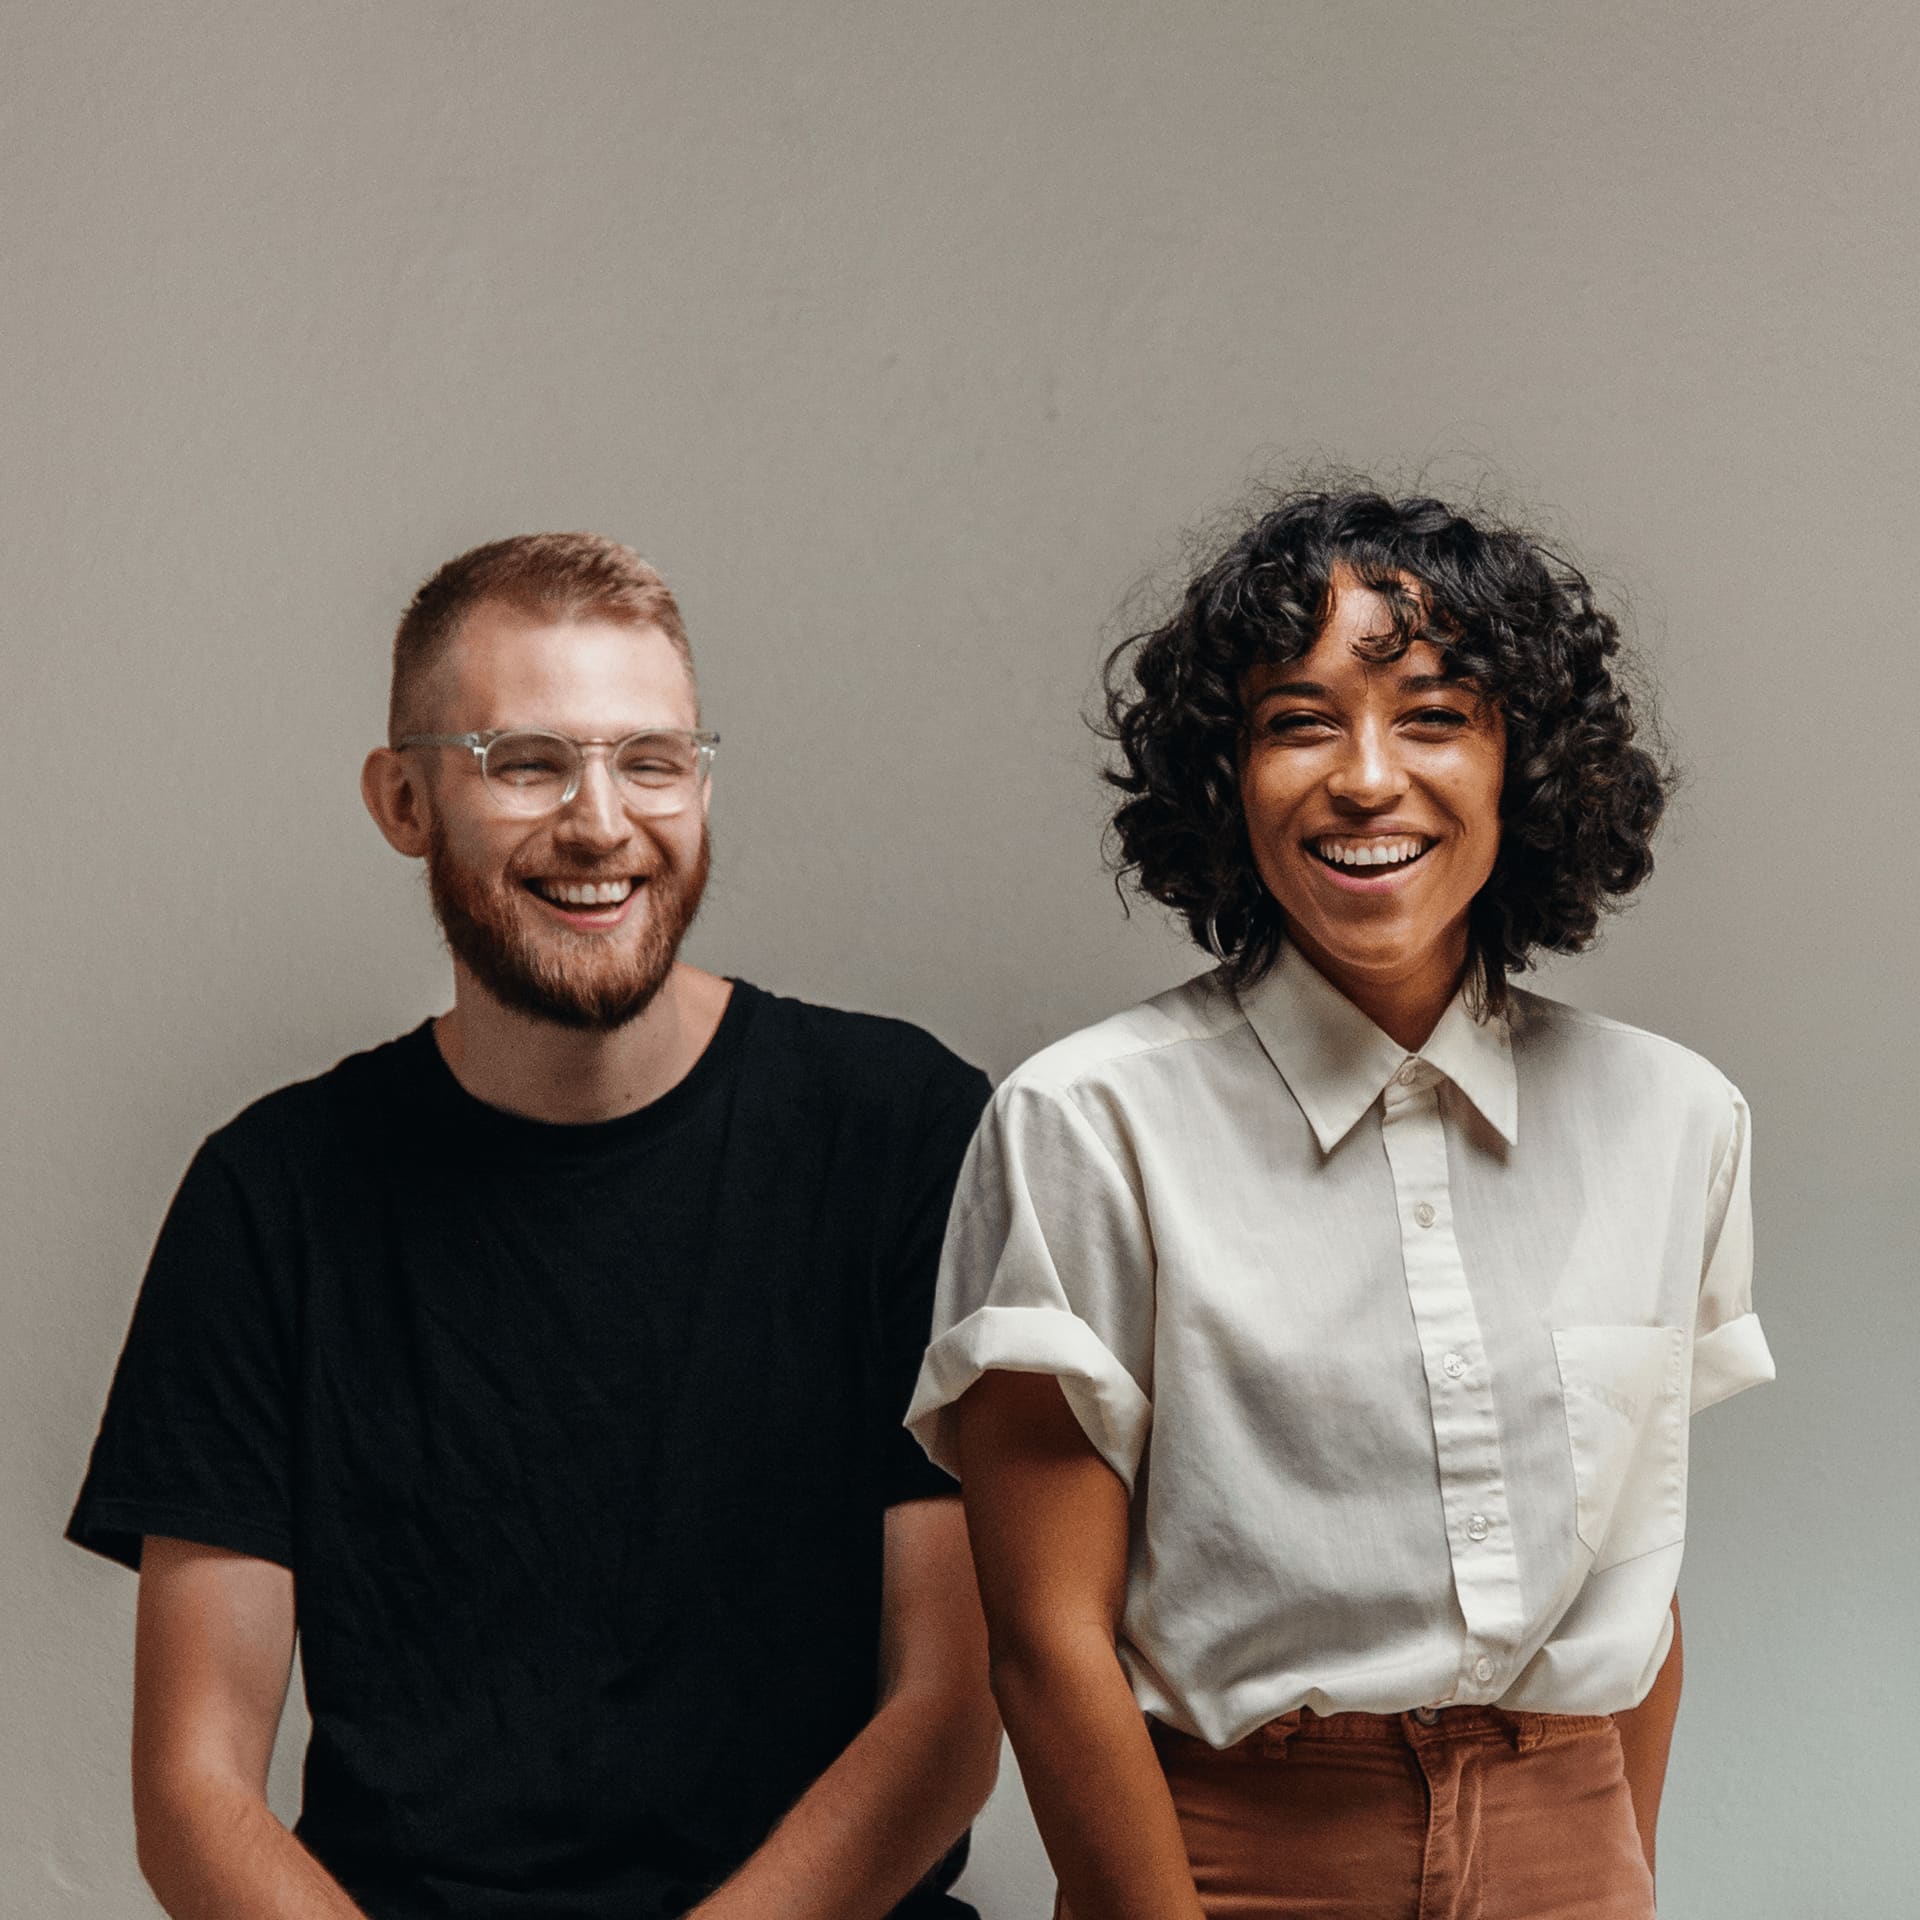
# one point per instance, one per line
(396, 799)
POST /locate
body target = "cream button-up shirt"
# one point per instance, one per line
(1396, 1352)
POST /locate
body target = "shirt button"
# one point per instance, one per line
(1454, 1365)
(1483, 1669)
(1477, 1529)
(1425, 1214)
(1408, 1073)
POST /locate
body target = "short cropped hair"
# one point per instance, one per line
(1581, 796)
(548, 577)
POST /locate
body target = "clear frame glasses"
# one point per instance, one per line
(530, 772)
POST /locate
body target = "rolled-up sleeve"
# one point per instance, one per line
(1048, 1268)
(1729, 1350)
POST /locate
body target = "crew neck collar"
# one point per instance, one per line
(487, 1124)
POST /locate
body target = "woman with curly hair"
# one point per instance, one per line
(1316, 1342)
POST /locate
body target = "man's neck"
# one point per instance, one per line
(544, 1071)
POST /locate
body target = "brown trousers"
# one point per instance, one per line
(1468, 1813)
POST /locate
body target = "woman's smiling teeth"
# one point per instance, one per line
(588, 893)
(1382, 851)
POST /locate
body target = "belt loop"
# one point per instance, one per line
(1525, 1730)
(1277, 1732)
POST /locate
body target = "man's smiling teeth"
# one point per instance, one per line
(592, 893)
(1371, 853)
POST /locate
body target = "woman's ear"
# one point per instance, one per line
(395, 797)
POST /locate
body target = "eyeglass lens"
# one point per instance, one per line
(653, 772)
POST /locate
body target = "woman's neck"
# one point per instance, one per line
(1405, 999)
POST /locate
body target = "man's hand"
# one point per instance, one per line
(212, 1653)
(865, 1833)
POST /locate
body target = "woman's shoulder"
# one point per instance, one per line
(1580, 1049)
(1163, 1031)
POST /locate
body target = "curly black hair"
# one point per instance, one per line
(1580, 800)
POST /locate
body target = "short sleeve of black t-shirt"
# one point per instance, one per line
(937, 1140)
(578, 1441)
(194, 1442)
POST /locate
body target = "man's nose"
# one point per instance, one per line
(594, 816)
(1368, 773)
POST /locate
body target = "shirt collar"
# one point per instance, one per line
(1336, 1062)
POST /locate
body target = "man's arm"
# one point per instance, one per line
(1646, 1734)
(212, 1652)
(863, 1835)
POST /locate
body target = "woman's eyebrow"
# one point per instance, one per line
(1408, 682)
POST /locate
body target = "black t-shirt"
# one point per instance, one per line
(577, 1439)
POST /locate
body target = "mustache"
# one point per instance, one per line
(518, 873)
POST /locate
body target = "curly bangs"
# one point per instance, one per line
(1580, 799)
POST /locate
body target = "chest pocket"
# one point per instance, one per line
(1625, 1395)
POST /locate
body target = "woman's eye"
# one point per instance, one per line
(1296, 722)
(1449, 717)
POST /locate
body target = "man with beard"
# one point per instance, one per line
(545, 1367)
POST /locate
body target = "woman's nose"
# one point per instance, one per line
(1368, 773)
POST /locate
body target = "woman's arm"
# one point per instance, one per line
(1048, 1522)
(1646, 1732)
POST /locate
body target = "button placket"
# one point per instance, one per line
(1465, 1429)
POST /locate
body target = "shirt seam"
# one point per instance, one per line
(1070, 1085)
(1725, 1172)
(1135, 1183)
(1606, 1023)
(1666, 1546)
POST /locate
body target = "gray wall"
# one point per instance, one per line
(906, 338)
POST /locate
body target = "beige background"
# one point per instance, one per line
(906, 338)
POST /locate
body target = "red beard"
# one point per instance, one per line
(587, 981)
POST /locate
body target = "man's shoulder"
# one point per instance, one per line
(301, 1114)
(850, 1054)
